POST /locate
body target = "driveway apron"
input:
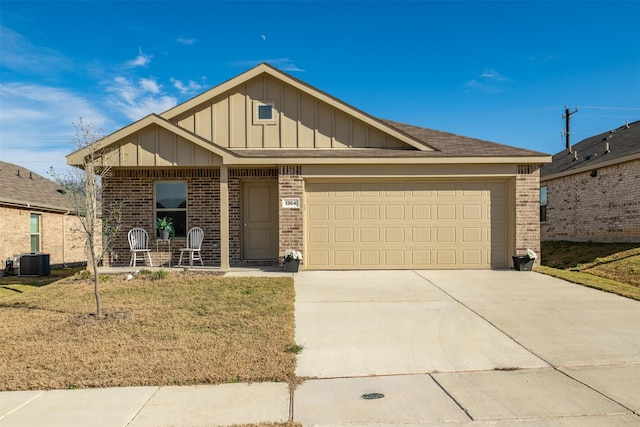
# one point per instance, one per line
(464, 347)
(358, 323)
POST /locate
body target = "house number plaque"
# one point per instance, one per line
(291, 203)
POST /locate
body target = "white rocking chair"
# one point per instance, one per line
(139, 242)
(195, 236)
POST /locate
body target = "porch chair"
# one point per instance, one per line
(139, 242)
(195, 236)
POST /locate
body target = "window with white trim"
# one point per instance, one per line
(35, 228)
(264, 113)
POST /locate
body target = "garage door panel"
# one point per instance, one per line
(343, 213)
(343, 235)
(394, 235)
(472, 257)
(424, 224)
(420, 211)
(319, 213)
(343, 258)
(446, 212)
(370, 212)
(370, 235)
(394, 258)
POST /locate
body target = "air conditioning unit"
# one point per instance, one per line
(34, 264)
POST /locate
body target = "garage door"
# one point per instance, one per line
(397, 225)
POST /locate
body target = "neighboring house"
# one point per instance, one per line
(591, 192)
(265, 162)
(36, 217)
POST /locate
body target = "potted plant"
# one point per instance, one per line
(292, 260)
(165, 225)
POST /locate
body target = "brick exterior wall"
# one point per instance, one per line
(601, 208)
(527, 210)
(135, 188)
(60, 236)
(291, 185)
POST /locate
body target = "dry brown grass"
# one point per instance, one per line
(11, 285)
(612, 267)
(182, 330)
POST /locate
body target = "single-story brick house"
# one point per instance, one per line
(36, 217)
(591, 191)
(265, 162)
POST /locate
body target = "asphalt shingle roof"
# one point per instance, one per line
(452, 145)
(437, 143)
(22, 187)
(623, 141)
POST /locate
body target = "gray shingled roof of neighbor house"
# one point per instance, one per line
(21, 187)
(603, 149)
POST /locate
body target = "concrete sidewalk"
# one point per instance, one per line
(464, 348)
(225, 404)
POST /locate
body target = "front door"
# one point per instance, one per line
(259, 220)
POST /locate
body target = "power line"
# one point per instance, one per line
(611, 108)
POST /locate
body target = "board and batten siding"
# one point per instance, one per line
(301, 121)
(154, 146)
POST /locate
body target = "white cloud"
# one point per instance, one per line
(142, 60)
(36, 124)
(185, 41)
(190, 88)
(490, 81)
(19, 54)
(136, 101)
(149, 85)
(492, 74)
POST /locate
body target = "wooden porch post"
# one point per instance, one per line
(224, 218)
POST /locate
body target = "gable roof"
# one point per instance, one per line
(21, 187)
(267, 69)
(76, 157)
(615, 146)
(420, 145)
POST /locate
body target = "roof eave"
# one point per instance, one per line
(34, 205)
(388, 160)
(590, 167)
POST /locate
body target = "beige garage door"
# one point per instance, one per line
(397, 225)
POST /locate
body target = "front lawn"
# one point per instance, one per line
(184, 329)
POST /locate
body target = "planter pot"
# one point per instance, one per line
(522, 263)
(292, 265)
(165, 234)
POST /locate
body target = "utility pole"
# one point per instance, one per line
(567, 119)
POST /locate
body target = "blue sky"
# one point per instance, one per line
(500, 71)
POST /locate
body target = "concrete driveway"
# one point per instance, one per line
(464, 347)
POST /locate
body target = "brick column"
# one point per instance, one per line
(291, 230)
(527, 204)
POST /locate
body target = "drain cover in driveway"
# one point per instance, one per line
(371, 396)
